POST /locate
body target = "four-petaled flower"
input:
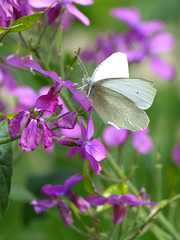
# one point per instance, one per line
(93, 150)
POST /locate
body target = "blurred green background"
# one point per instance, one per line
(33, 170)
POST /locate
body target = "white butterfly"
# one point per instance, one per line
(119, 100)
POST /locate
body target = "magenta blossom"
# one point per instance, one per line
(31, 134)
(145, 39)
(45, 204)
(141, 141)
(7, 10)
(120, 203)
(56, 10)
(54, 192)
(59, 190)
(93, 150)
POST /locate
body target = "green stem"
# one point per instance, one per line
(41, 34)
(161, 219)
(9, 139)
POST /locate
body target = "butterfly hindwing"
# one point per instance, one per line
(141, 92)
(117, 110)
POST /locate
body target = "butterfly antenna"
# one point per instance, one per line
(81, 64)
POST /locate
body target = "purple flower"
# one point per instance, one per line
(7, 9)
(54, 192)
(141, 141)
(114, 137)
(31, 134)
(56, 9)
(176, 154)
(59, 84)
(45, 204)
(145, 39)
(120, 204)
(93, 150)
(59, 190)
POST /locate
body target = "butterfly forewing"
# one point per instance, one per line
(115, 66)
(141, 92)
(117, 110)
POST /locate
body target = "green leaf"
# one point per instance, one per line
(21, 194)
(2, 30)
(6, 158)
(117, 188)
(24, 23)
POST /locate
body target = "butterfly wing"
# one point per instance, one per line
(115, 66)
(117, 110)
(141, 92)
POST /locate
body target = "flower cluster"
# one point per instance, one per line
(144, 40)
(55, 192)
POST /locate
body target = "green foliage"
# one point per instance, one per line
(6, 158)
(23, 23)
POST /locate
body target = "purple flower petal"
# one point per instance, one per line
(75, 132)
(80, 2)
(130, 199)
(114, 199)
(47, 134)
(42, 205)
(72, 180)
(149, 28)
(114, 137)
(41, 4)
(70, 142)
(119, 213)
(95, 165)
(76, 13)
(67, 120)
(26, 95)
(96, 149)
(53, 13)
(31, 136)
(47, 103)
(78, 97)
(142, 142)
(34, 65)
(53, 191)
(15, 60)
(131, 16)
(90, 127)
(176, 154)
(162, 68)
(96, 200)
(65, 213)
(80, 203)
(83, 131)
(77, 150)
(162, 42)
(16, 123)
